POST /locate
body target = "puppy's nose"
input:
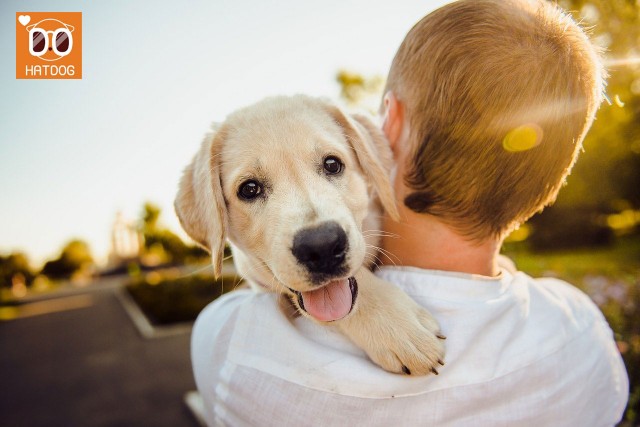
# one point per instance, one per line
(321, 249)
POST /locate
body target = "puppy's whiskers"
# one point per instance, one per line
(273, 285)
(388, 255)
(379, 233)
(196, 271)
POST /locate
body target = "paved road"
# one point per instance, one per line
(88, 366)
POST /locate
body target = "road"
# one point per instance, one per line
(79, 361)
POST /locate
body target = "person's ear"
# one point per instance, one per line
(393, 120)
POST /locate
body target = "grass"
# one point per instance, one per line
(620, 261)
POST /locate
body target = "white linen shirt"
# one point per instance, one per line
(519, 352)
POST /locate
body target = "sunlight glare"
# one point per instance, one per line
(619, 62)
(522, 138)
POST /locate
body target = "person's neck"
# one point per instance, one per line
(423, 241)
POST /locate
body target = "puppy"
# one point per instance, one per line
(297, 187)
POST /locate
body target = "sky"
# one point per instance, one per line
(156, 74)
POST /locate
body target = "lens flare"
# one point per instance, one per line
(522, 138)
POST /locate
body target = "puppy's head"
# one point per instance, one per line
(289, 181)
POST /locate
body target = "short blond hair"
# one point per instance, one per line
(472, 76)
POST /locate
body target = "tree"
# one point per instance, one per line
(150, 215)
(75, 256)
(608, 172)
(162, 242)
(360, 91)
(14, 265)
(606, 178)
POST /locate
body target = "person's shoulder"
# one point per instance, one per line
(593, 357)
(226, 309)
(557, 288)
(555, 294)
(569, 319)
(226, 304)
(218, 324)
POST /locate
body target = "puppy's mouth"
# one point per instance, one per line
(332, 301)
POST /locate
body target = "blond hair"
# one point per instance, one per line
(498, 96)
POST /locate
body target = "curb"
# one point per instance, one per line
(145, 328)
(195, 404)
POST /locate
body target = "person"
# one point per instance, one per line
(486, 106)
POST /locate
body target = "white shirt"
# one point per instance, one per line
(520, 352)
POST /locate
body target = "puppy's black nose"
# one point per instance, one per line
(321, 249)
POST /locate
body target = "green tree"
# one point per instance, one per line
(607, 174)
(606, 178)
(75, 256)
(162, 242)
(150, 215)
(359, 90)
(12, 265)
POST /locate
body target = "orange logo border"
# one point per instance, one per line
(51, 64)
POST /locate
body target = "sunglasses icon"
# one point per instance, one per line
(61, 39)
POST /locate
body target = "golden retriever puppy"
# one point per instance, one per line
(297, 187)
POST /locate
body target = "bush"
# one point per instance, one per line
(566, 228)
(75, 256)
(177, 300)
(14, 265)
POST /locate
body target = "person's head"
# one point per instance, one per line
(487, 104)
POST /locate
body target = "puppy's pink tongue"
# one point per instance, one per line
(331, 302)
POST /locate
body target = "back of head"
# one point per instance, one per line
(498, 95)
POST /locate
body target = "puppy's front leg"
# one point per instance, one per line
(394, 331)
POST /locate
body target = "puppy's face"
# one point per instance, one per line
(296, 196)
(284, 180)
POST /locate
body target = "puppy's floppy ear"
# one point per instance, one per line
(373, 153)
(200, 204)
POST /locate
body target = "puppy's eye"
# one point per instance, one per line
(332, 165)
(249, 190)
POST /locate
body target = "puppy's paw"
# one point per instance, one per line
(414, 347)
(394, 331)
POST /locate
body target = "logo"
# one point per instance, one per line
(48, 45)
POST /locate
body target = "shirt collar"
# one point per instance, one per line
(446, 284)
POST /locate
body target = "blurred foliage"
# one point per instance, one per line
(162, 245)
(171, 300)
(150, 216)
(575, 227)
(75, 257)
(360, 91)
(14, 266)
(606, 178)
